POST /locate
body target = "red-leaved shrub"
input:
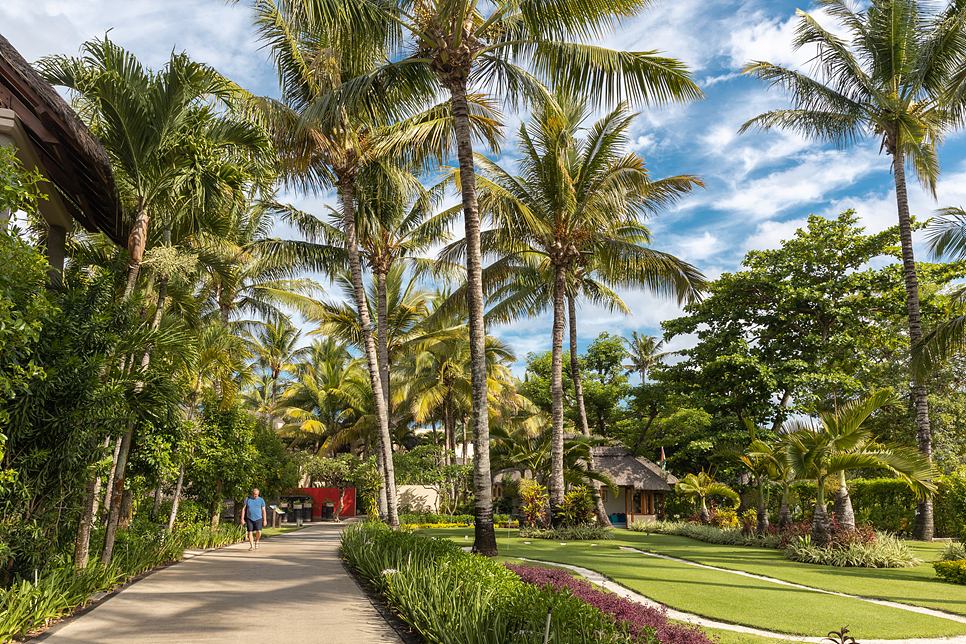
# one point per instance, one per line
(638, 618)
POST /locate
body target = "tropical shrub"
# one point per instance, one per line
(426, 526)
(430, 518)
(885, 551)
(452, 597)
(534, 504)
(577, 507)
(954, 552)
(952, 571)
(586, 532)
(643, 622)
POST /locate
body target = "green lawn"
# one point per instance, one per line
(271, 532)
(730, 598)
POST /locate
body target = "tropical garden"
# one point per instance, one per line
(811, 435)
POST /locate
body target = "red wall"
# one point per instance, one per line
(324, 494)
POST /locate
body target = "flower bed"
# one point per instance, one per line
(642, 621)
(452, 597)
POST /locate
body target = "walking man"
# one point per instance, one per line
(253, 514)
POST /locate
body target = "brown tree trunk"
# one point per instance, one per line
(923, 528)
(485, 535)
(599, 509)
(821, 526)
(109, 490)
(216, 505)
(177, 497)
(83, 541)
(116, 492)
(556, 481)
(382, 339)
(346, 184)
(135, 247)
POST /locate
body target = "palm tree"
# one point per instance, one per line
(645, 353)
(322, 145)
(275, 347)
(840, 444)
(328, 400)
(451, 46)
(946, 237)
(700, 486)
(892, 81)
(578, 203)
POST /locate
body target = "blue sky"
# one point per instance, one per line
(760, 187)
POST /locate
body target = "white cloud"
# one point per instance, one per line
(770, 234)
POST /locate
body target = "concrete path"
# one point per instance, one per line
(292, 590)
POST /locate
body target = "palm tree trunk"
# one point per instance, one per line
(703, 513)
(177, 497)
(762, 511)
(379, 400)
(599, 509)
(116, 492)
(556, 481)
(157, 499)
(923, 528)
(83, 541)
(485, 536)
(108, 491)
(821, 527)
(382, 338)
(449, 430)
(135, 246)
(842, 506)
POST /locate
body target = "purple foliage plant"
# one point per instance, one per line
(643, 622)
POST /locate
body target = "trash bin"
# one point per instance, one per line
(307, 513)
(327, 512)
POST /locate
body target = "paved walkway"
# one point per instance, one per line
(292, 590)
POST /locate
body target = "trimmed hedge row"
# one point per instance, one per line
(452, 597)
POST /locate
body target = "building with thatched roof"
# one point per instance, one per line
(640, 483)
(49, 136)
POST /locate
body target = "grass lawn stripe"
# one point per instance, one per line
(917, 586)
(726, 597)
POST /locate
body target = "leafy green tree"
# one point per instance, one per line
(895, 80)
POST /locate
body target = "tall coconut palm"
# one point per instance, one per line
(645, 353)
(578, 203)
(452, 46)
(323, 145)
(840, 443)
(892, 81)
(275, 347)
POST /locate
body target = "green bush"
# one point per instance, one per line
(586, 532)
(452, 597)
(952, 571)
(887, 551)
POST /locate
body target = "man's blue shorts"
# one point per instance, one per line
(254, 525)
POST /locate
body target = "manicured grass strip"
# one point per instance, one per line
(271, 532)
(727, 597)
(731, 637)
(917, 586)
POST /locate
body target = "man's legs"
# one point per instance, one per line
(258, 535)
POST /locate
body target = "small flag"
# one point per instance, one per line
(663, 461)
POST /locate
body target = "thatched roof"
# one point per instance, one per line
(71, 156)
(627, 471)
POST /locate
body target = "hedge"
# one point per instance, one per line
(954, 571)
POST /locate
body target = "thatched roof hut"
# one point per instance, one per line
(64, 150)
(628, 471)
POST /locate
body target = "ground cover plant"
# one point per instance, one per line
(728, 597)
(452, 597)
(641, 620)
(27, 606)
